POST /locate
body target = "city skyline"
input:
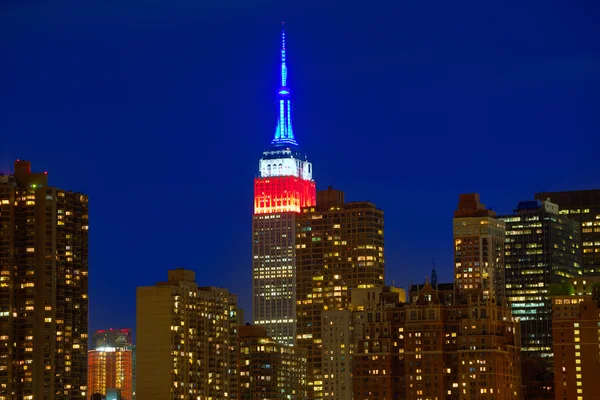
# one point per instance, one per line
(114, 172)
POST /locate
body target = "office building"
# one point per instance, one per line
(339, 247)
(478, 249)
(582, 206)
(186, 340)
(576, 340)
(110, 369)
(284, 185)
(269, 370)
(541, 249)
(428, 349)
(43, 288)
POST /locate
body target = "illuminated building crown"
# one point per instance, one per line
(284, 182)
(284, 135)
(284, 158)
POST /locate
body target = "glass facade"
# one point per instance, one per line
(541, 249)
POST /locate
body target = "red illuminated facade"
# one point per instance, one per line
(283, 194)
(110, 368)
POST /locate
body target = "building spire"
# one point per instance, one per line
(284, 134)
(433, 274)
(283, 66)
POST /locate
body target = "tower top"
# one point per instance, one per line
(284, 134)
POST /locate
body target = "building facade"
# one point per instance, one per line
(428, 349)
(339, 247)
(478, 248)
(43, 288)
(111, 368)
(576, 340)
(284, 185)
(269, 370)
(582, 206)
(541, 249)
(186, 340)
(111, 363)
(338, 337)
(341, 330)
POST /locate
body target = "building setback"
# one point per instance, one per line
(582, 206)
(339, 247)
(429, 349)
(43, 288)
(284, 185)
(269, 370)
(541, 249)
(478, 249)
(186, 340)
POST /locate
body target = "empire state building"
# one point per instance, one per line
(283, 186)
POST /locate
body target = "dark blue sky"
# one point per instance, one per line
(159, 110)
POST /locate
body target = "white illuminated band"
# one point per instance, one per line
(288, 166)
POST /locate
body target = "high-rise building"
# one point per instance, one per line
(341, 330)
(428, 349)
(478, 249)
(111, 363)
(582, 206)
(339, 247)
(284, 185)
(576, 339)
(117, 338)
(43, 288)
(541, 249)
(269, 370)
(111, 368)
(186, 340)
(337, 333)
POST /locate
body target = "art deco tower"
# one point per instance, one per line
(284, 185)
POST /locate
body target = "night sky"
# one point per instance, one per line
(159, 111)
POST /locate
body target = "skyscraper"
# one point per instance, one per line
(111, 363)
(284, 185)
(478, 249)
(186, 340)
(541, 249)
(43, 288)
(582, 206)
(339, 248)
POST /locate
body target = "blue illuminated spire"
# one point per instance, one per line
(284, 133)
